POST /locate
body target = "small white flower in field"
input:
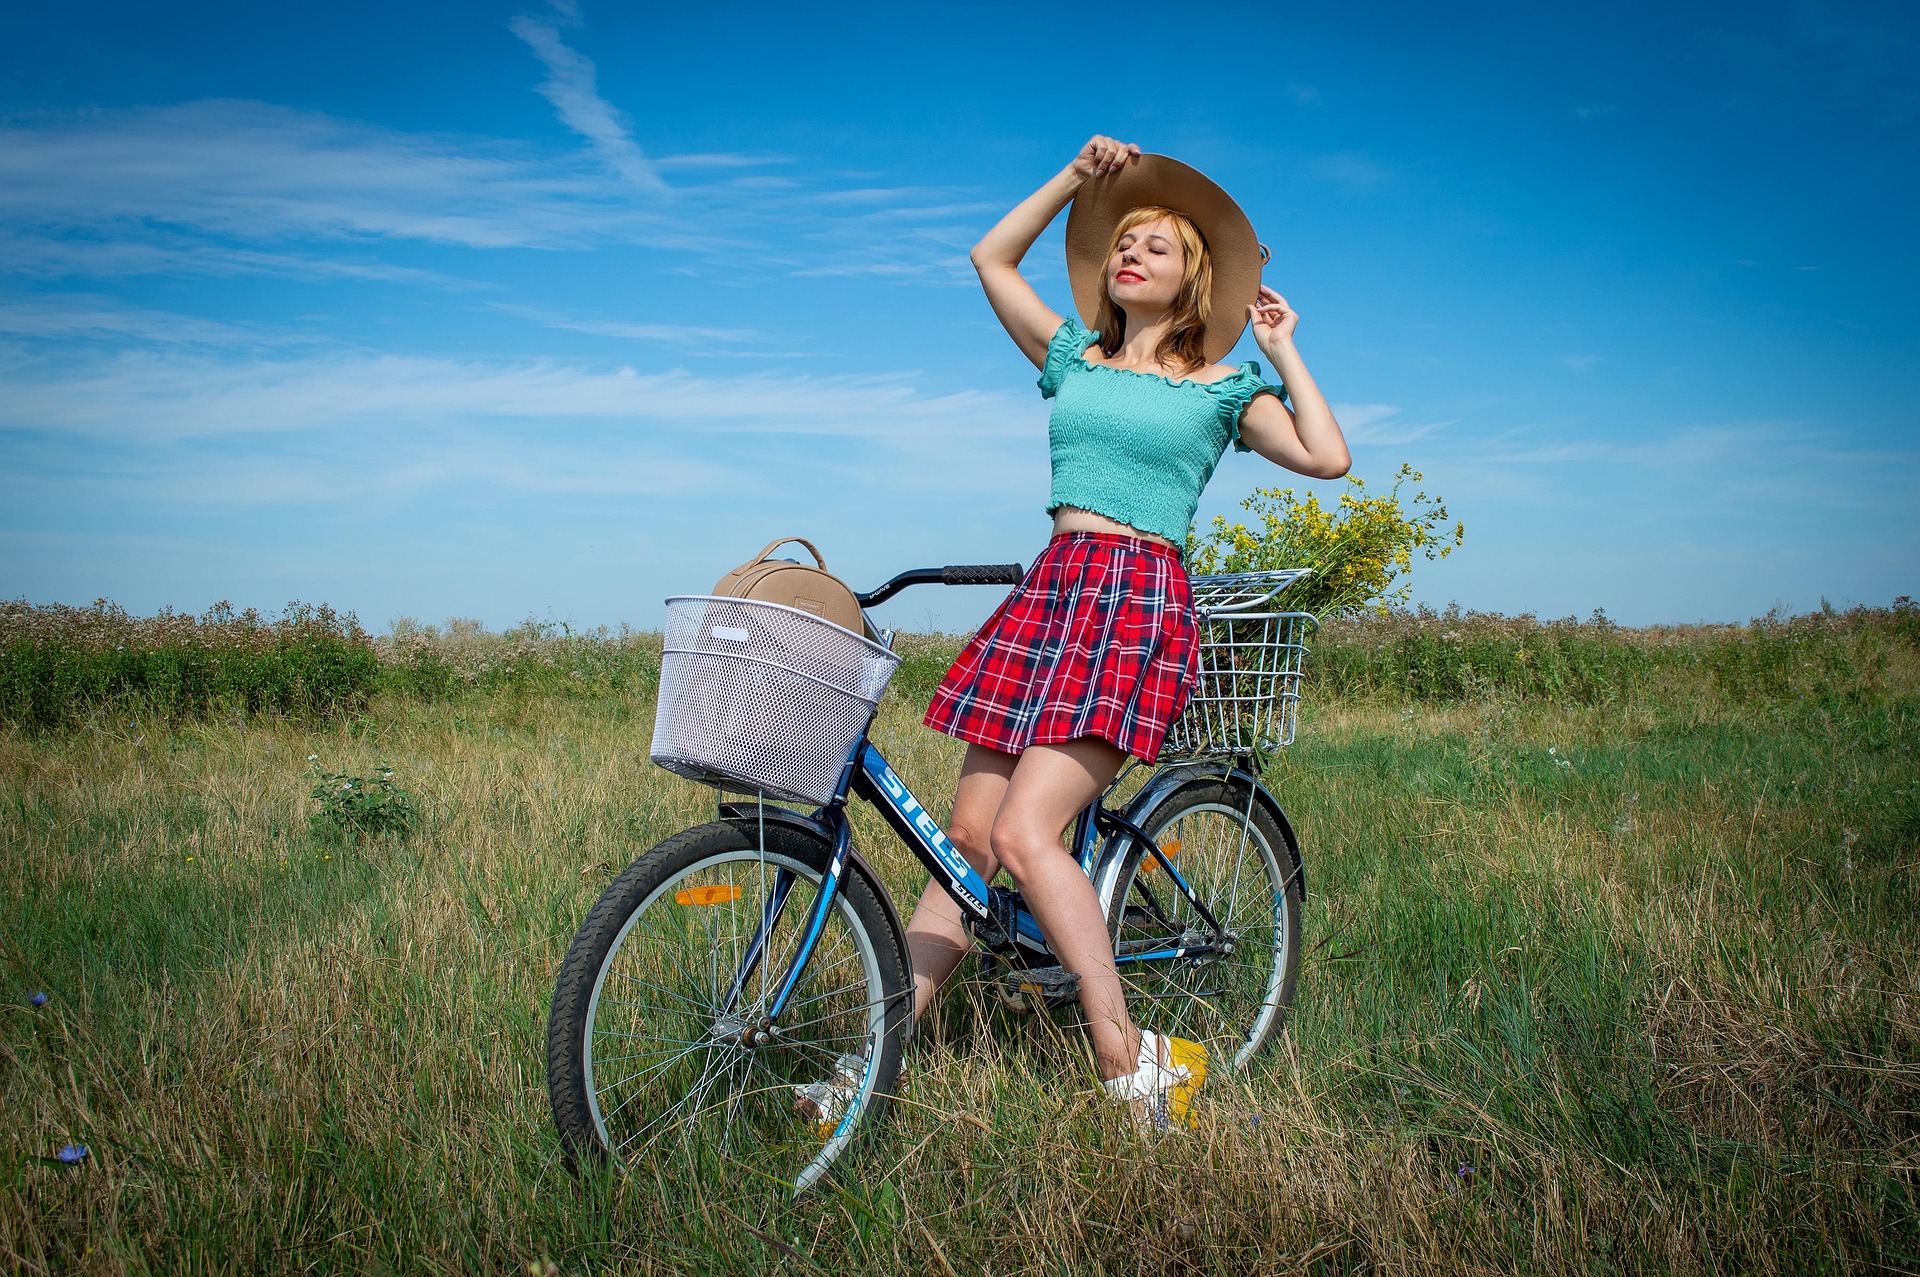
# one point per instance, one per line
(313, 758)
(346, 784)
(1552, 750)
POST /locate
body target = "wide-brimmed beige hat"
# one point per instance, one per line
(1161, 180)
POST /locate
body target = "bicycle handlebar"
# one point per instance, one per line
(954, 574)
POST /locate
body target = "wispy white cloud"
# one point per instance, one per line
(571, 86)
(682, 334)
(408, 464)
(78, 315)
(1579, 363)
(1358, 416)
(198, 430)
(256, 172)
(1381, 424)
(226, 187)
(153, 394)
(36, 256)
(721, 160)
(232, 187)
(1773, 445)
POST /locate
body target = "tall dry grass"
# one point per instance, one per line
(1623, 983)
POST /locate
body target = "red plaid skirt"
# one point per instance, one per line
(1098, 640)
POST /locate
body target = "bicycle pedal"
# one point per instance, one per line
(1050, 986)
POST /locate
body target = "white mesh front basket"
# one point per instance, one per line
(758, 696)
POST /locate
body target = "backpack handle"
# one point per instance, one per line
(775, 544)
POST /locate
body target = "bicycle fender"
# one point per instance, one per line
(1161, 787)
(753, 813)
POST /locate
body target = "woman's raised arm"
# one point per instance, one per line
(1027, 319)
(1305, 439)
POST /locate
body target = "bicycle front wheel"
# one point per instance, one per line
(658, 1054)
(1228, 986)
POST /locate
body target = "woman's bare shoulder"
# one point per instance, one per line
(1211, 373)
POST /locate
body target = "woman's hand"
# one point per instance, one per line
(1102, 155)
(1273, 323)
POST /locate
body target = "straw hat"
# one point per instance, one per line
(1161, 180)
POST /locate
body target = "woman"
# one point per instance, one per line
(1089, 660)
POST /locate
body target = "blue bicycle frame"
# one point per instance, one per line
(991, 912)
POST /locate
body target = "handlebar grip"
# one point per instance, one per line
(982, 574)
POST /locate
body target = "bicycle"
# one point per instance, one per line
(743, 959)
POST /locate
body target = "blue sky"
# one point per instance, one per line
(556, 309)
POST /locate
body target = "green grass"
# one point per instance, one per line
(1642, 959)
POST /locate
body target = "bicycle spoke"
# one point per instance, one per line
(657, 988)
(607, 1090)
(706, 1072)
(649, 1006)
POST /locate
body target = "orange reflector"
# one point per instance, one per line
(706, 895)
(1169, 849)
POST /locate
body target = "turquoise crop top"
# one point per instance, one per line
(1134, 446)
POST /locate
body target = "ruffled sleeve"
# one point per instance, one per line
(1234, 393)
(1069, 340)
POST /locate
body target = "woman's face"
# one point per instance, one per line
(1146, 267)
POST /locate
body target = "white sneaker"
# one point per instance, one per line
(826, 1103)
(1161, 1090)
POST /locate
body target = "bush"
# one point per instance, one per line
(428, 662)
(59, 664)
(359, 806)
(1361, 552)
(1825, 658)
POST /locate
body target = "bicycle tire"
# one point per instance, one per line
(641, 1070)
(1228, 848)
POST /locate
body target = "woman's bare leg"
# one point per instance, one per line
(1049, 787)
(937, 940)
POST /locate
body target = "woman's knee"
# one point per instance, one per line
(1017, 845)
(973, 839)
(971, 831)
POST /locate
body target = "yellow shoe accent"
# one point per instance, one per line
(1192, 1057)
(1161, 1090)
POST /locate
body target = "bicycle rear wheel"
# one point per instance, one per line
(651, 1063)
(1228, 989)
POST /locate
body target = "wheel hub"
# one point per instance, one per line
(738, 1030)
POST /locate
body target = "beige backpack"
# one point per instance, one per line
(814, 590)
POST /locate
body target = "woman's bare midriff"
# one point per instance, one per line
(1071, 518)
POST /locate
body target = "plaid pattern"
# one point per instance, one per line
(1098, 640)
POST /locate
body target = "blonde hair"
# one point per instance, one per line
(1182, 348)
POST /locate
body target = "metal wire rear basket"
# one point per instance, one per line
(759, 696)
(1248, 686)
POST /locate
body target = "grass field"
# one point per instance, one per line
(1616, 970)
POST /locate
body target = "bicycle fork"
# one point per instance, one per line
(730, 1025)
